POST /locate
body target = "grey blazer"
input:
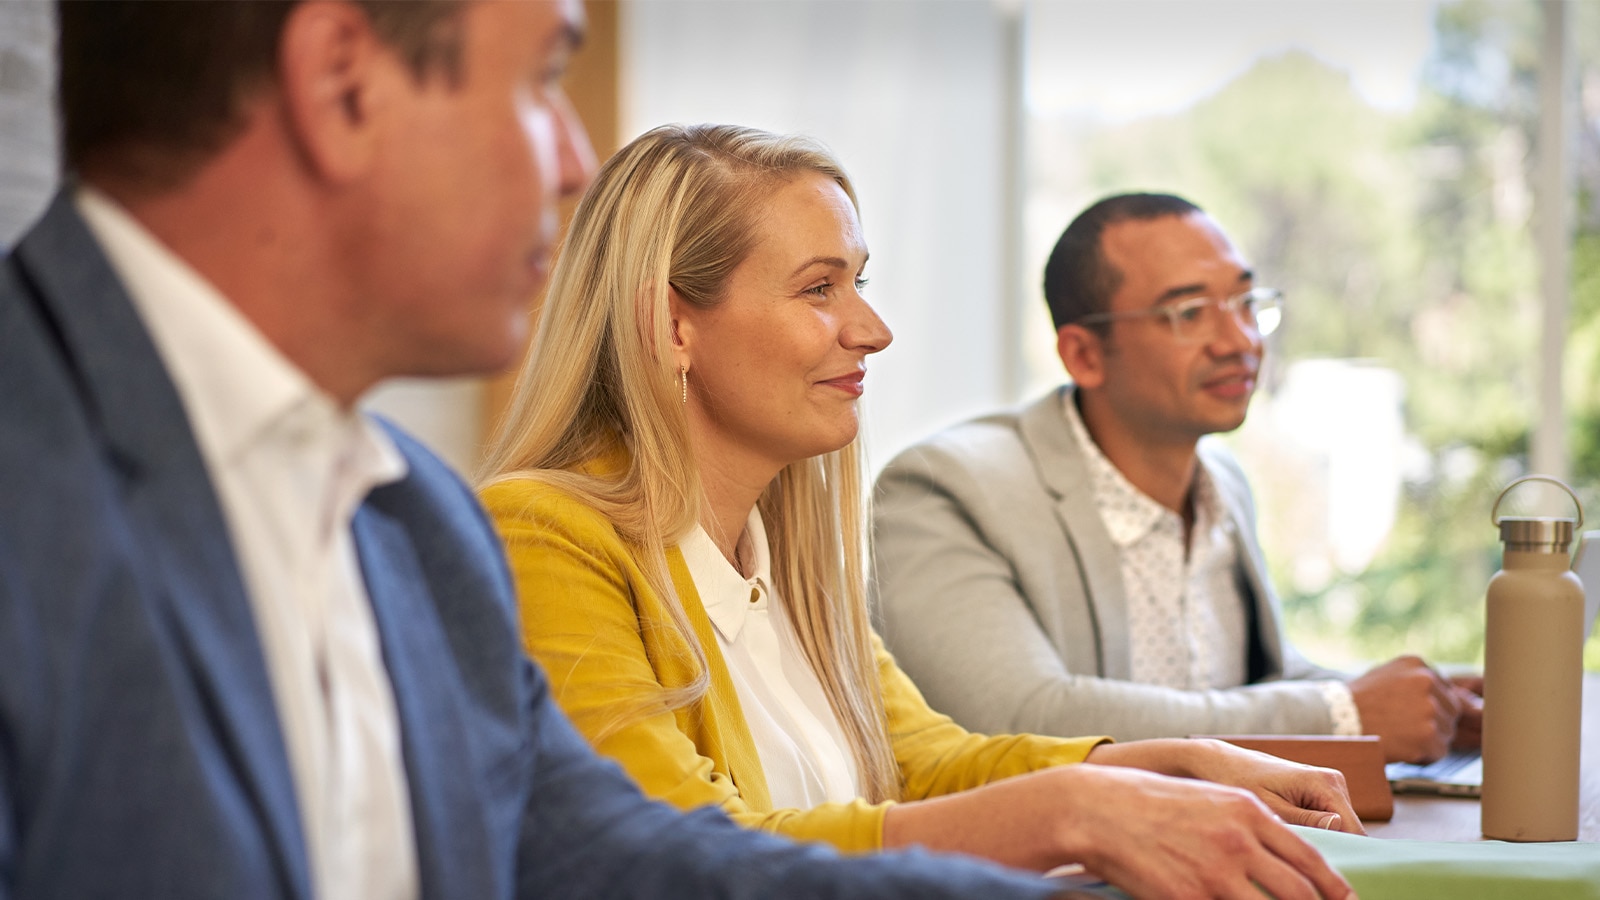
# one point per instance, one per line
(999, 591)
(140, 753)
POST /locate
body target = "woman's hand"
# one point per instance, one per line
(1151, 835)
(1298, 794)
(1156, 836)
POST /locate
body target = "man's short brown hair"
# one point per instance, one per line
(151, 89)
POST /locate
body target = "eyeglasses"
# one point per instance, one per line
(1258, 310)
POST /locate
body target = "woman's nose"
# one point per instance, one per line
(866, 331)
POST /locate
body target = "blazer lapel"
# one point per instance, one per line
(724, 718)
(196, 589)
(1064, 471)
(453, 847)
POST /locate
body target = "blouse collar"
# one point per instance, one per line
(727, 595)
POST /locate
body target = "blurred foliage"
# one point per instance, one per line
(1406, 239)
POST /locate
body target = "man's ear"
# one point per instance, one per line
(333, 73)
(1083, 352)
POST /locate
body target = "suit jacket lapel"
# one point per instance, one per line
(1063, 470)
(724, 721)
(453, 847)
(195, 588)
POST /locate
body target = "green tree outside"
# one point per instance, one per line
(1403, 239)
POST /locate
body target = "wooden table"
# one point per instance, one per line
(1456, 819)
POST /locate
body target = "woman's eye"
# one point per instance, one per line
(1191, 313)
(820, 290)
(861, 282)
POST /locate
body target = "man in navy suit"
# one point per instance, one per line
(252, 642)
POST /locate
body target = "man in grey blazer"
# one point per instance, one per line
(253, 643)
(1089, 562)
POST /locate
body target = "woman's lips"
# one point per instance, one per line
(851, 384)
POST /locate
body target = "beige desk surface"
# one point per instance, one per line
(1456, 819)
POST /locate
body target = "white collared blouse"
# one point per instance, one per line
(796, 732)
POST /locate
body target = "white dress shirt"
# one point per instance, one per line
(290, 468)
(1186, 607)
(797, 735)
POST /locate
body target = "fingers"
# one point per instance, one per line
(1469, 724)
(1447, 709)
(1244, 854)
(1337, 804)
(1302, 861)
(1281, 863)
(1156, 836)
(1278, 879)
(1300, 794)
(1350, 824)
(1410, 706)
(1313, 818)
(1449, 704)
(1322, 819)
(1317, 799)
(1444, 693)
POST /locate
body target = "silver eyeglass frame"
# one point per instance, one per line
(1264, 316)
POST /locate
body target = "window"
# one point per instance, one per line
(1379, 162)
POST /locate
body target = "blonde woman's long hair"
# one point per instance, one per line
(678, 208)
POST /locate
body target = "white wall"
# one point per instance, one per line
(911, 97)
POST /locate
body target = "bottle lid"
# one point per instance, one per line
(1536, 534)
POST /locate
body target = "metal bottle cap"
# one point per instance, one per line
(1536, 534)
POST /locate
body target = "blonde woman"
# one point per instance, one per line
(678, 486)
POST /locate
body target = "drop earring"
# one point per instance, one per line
(683, 384)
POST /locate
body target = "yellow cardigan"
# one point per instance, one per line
(587, 617)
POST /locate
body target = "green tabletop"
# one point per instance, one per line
(1382, 869)
(1483, 870)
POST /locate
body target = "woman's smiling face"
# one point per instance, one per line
(776, 366)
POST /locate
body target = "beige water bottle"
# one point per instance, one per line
(1533, 680)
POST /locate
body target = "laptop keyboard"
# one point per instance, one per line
(1458, 766)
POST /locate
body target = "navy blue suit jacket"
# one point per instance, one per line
(140, 751)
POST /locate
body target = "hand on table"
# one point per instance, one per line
(1124, 816)
(1298, 794)
(1157, 836)
(1410, 707)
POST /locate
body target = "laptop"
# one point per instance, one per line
(1460, 772)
